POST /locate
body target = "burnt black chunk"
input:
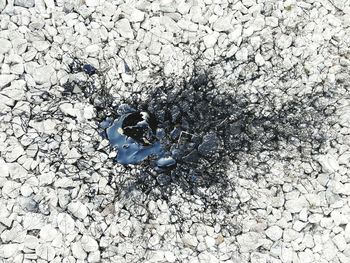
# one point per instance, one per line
(140, 126)
(89, 69)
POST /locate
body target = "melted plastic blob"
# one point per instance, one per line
(129, 151)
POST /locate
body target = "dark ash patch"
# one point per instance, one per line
(227, 126)
(228, 133)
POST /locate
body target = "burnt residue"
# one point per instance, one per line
(217, 134)
(223, 126)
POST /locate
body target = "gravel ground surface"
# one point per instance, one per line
(261, 89)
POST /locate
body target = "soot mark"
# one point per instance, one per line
(209, 129)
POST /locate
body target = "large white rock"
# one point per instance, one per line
(89, 244)
(25, 3)
(242, 54)
(347, 233)
(44, 74)
(16, 90)
(91, 49)
(78, 209)
(169, 24)
(5, 79)
(340, 242)
(296, 205)
(92, 3)
(94, 257)
(329, 251)
(4, 168)
(2, 4)
(16, 171)
(209, 241)
(222, 24)
(257, 257)
(259, 60)
(65, 223)
(17, 69)
(134, 15)
(211, 39)
(50, 4)
(274, 233)
(13, 151)
(31, 242)
(73, 155)
(8, 250)
(207, 257)
(189, 240)
(68, 109)
(187, 25)
(41, 45)
(329, 163)
(284, 41)
(45, 251)
(5, 46)
(19, 45)
(47, 126)
(123, 27)
(169, 256)
(48, 233)
(290, 235)
(248, 241)
(78, 251)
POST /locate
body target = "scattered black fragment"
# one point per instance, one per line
(126, 67)
(89, 69)
(141, 126)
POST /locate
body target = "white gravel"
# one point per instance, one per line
(53, 209)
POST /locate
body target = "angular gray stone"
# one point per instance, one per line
(8, 250)
(340, 242)
(296, 205)
(48, 233)
(5, 46)
(6, 79)
(89, 244)
(19, 45)
(248, 241)
(45, 251)
(44, 74)
(2, 4)
(13, 151)
(11, 189)
(222, 24)
(41, 45)
(25, 3)
(16, 90)
(190, 240)
(78, 251)
(17, 171)
(78, 209)
(123, 27)
(274, 233)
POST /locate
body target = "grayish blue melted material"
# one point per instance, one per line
(129, 150)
